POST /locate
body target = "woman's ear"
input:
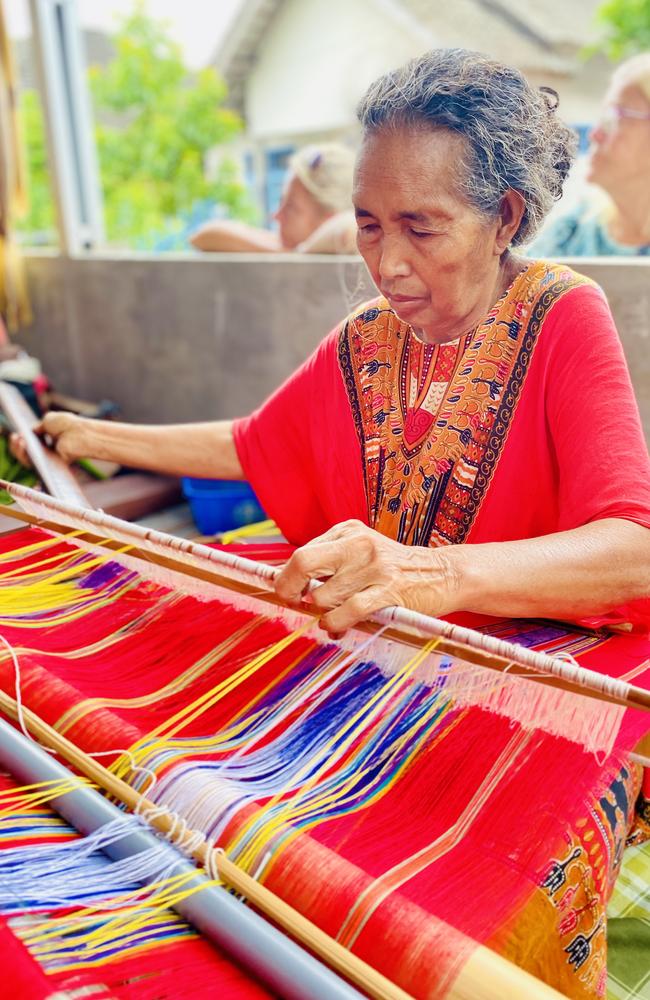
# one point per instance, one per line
(510, 216)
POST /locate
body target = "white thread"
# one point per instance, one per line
(61, 874)
(212, 853)
(196, 554)
(18, 699)
(262, 865)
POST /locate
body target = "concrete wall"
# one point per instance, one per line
(183, 337)
(180, 338)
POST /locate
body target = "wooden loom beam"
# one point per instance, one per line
(55, 473)
(485, 975)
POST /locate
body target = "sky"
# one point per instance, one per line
(197, 25)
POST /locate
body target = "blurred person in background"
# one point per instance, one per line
(315, 213)
(614, 218)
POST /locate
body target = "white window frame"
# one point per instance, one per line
(65, 99)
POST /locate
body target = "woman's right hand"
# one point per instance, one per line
(65, 432)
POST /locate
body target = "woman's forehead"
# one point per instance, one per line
(416, 169)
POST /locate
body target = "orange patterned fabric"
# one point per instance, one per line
(432, 418)
(569, 908)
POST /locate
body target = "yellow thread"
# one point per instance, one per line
(189, 713)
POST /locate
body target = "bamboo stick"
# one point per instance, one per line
(485, 975)
(55, 473)
(404, 626)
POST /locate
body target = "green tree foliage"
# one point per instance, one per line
(627, 27)
(155, 123)
(39, 220)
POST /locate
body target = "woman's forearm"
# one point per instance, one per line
(568, 574)
(234, 237)
(200, 449)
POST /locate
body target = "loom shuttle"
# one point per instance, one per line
(274, 958)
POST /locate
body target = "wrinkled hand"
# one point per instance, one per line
(365, 571)
(64, 431)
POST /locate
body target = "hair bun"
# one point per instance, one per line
(551, 97)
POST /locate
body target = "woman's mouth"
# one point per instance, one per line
(403, 303)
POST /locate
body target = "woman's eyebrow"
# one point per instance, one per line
(434, 215)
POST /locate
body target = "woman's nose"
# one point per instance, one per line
(393, 262)
(598, 134)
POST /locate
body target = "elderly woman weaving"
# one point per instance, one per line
(482, 398)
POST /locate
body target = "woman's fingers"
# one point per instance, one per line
(316, 561)
(339, 587)
(363, 572)
(64, 432)
(18, 449)
(61, 431)
(356, 609)
(349, 545)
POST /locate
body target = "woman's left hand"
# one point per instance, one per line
(365, 571)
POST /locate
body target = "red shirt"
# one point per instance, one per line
(574, 453)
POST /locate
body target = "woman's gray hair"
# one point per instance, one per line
(514, 137)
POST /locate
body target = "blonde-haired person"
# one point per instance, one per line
(314, 216)
(614, 218)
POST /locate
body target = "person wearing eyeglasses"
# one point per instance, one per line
(315, 213)
(614, 218)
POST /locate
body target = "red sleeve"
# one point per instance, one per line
(299, 449)
(594, 423)
(593, 419)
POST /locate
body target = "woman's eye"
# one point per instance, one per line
(420, 234)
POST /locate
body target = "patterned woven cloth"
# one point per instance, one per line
(628, 930)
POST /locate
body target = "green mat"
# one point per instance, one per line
(628, 928)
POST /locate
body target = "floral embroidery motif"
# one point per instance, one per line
(432, 419)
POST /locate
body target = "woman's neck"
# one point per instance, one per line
(630, 223)
(508, 269)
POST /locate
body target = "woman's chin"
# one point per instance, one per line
(594, 173)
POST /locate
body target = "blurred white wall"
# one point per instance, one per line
(334, 50)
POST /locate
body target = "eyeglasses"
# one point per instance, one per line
(614, 113)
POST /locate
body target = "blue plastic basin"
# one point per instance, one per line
(221, 504)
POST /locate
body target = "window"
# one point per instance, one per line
(159, 116)
(37, 226)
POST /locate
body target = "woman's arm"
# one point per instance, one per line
(205, 449)
(234, 237)
(569, 574)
